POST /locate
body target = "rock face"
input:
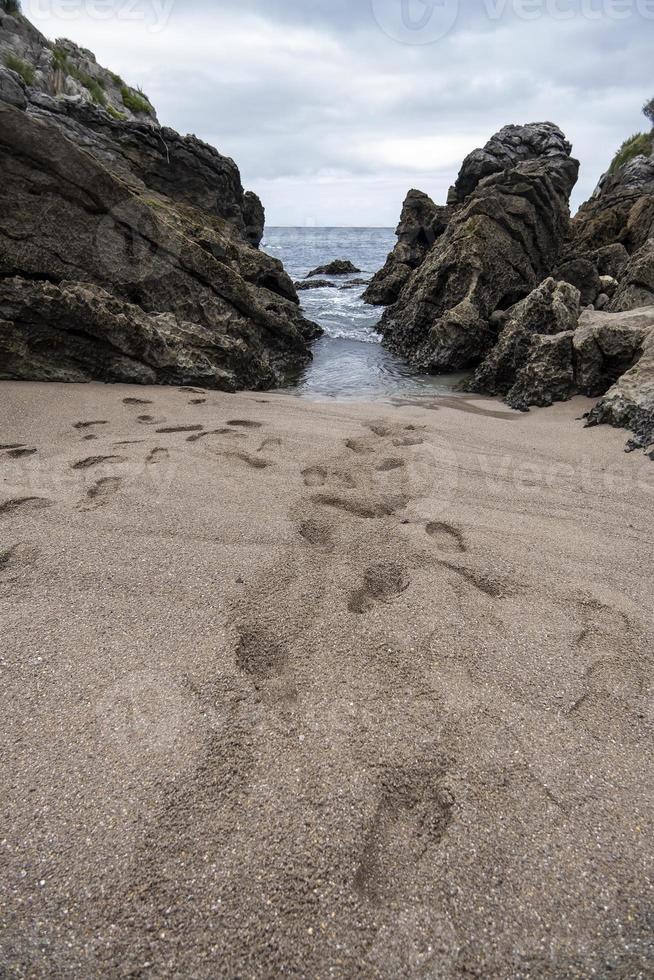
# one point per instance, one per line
(510, 218)
(526, 365)
(619, 348)
(621, 210)
(422, 222)
(152, 234)
(63, 69)
(636, 286)
(339, 267)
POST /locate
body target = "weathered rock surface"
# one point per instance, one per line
(617, 349)
(65, 217)
(315, 284)
(636, 287)
(502, 241)
(547, 375)
(254, 218)
(520, 366)
(620, 212)
(63, 69)
(340, 267)
(421, 223)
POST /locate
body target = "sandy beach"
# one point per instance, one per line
(322, 689)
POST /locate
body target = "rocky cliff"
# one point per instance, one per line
(127, 251)
(509, 220)
(540, 306)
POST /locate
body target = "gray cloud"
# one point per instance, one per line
(332, 116)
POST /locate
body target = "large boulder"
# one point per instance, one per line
(619, 348)
(636, 287)
(547, 375)
(65, 216)
(98, 337)
(421, 223)
(512, 367)
(500, 243)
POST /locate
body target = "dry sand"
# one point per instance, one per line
(332, 691)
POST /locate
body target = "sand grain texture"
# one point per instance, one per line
(375, 704)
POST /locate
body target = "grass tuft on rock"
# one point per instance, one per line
(21, 68)
(640, 144)
(135, 100)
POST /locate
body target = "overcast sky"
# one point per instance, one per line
(333, 109)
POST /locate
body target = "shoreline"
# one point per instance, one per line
(327, 688)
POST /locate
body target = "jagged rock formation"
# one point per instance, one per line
(531, 364)
(510, 218)
(63, 69)
(616, 351)
(134, 222)
(620, 211)
(340, 267)
(636, 284)
(421, 223)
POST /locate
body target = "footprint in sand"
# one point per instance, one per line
(616, 690)
(264, 659)
(87, 425)
(388, 465)
(367, 511)
(157, 455)
(381, 583)
(316, 533)
(24, 503)
(269, 442)
(379, 429)
(446, 536)
(404, 441)
(483, 583)
(21, 453)
(411, 818)
(601, 624)
(245, 424)
(254, 462)
(213, 432)
(136, 401)
(91, 461)
(100, 493)
(358, 446)
(198, 401)
(16, 557)
(315, 476)
(170, 429)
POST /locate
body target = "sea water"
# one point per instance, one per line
(348, 360)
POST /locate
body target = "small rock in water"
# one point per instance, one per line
(340, 267)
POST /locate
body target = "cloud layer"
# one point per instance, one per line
(333, 109)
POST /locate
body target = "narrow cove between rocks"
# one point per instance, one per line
(348, 360)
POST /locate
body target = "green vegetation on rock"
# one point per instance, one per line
(637, 145)
(21, 67)
(135, 100)
(93, 85)
(115, 113)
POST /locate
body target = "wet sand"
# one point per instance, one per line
(322, 690)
